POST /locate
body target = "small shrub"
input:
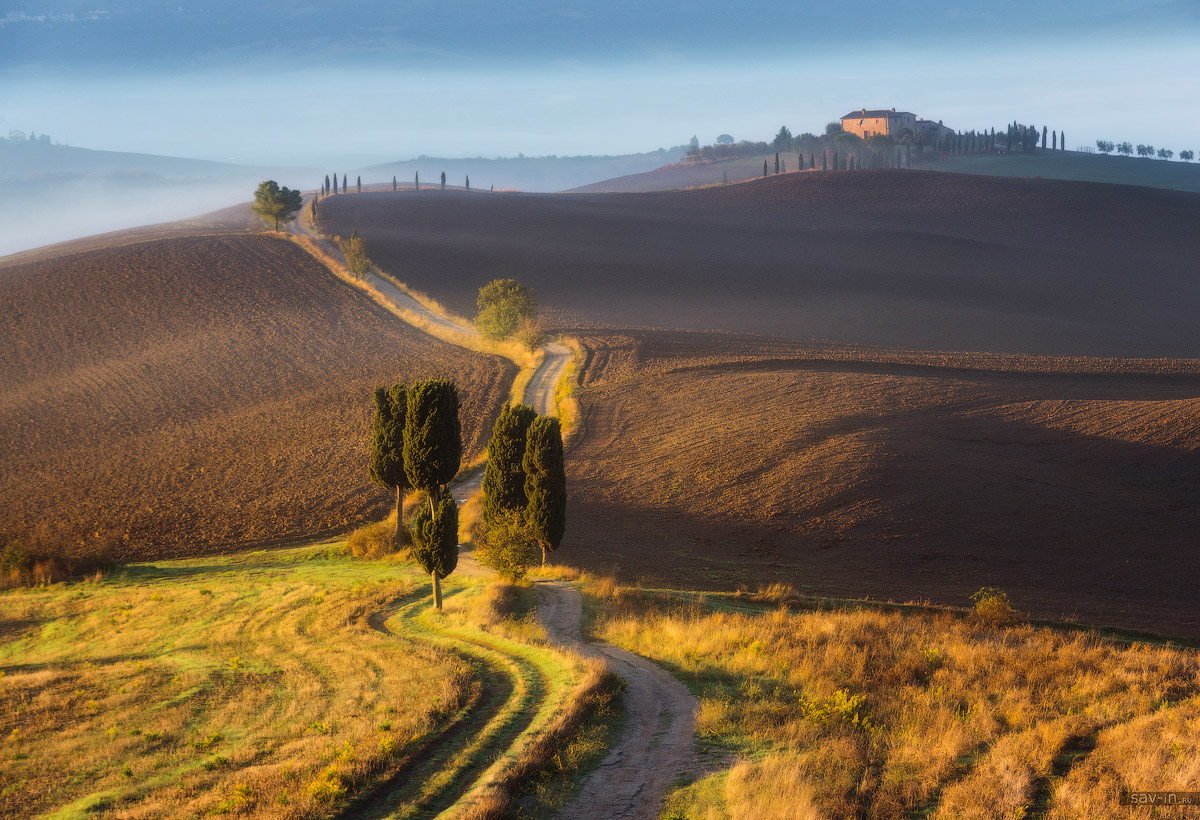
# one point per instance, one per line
(375, 540)
(507, 547)
(529, 333)
(992, 607)
(329, 786)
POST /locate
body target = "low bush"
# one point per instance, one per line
(375, 540)
(992, 607)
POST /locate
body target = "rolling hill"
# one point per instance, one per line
(1057, 461)
(896, 258)
(192, 394)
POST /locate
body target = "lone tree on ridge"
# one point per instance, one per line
(545, 484)
(504, 477)
(387, 447)
(432, 456)
(279, 204)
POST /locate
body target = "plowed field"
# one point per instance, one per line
(716, 461)
(897, 258)
(193, 394)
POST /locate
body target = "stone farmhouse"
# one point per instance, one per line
(872, 122)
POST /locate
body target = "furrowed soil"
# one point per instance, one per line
(198, 394)
(714, 461)
(912, 259)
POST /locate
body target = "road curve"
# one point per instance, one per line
(539, 393)
(656, 747)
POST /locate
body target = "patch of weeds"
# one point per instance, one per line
(127, 770)
(318, 727)
(202, 743)
(992, 607)
(329, 786)
(214, 763)
(386, 726)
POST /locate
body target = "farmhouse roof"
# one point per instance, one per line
(864, 114)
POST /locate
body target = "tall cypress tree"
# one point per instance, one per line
(432, 456)
(1062, 141)
(359, 188)
(345, 187)
(764, 169)
(504, 477)
(777, 162)
(468, 185)
(335, 188)
(394, 186)
(443, 180)
(545, 484)
(1044, 135)
(387, 447)
(327, 183)
(812, 161)
(435, 542)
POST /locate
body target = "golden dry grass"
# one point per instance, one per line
(867, 713)
(249, 686)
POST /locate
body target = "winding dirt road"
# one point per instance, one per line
(657, 745)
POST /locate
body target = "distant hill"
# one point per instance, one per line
(21, 158)
(543, 174)
(1067, 165)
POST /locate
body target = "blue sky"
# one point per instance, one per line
(368, 81)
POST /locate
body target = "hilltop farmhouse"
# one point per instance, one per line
(878, 122)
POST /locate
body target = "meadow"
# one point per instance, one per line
(297, 683)
(200, 393)
(873, 712)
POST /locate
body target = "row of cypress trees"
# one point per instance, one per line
(525, 479)
(417, 443)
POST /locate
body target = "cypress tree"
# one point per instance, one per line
(812, 161)
(504, 477)
(1062, 141)
(394, 186)
(416, 180)
(777, 162)
(468, 185)
(545, 484)
(764, 169)
(335, 188)
(327, 183)
(345, 187)
(1054, 144)
(800, 161)
(312, 209)
(359, 190)
(435, 542)
(1044, 135)
(443, 180)
(432, 456)
(724, 177)
(387, 447)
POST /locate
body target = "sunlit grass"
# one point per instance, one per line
(873, 713)
(249, 685)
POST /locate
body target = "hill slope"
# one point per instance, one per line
(180, 395)
(853, 471)
(902, 258)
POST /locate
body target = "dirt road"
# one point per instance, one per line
(656, 747)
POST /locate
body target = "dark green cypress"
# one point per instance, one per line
(335, 188)
(359, 189)
(435, 542)
(468, 185)
(504, 477)
(545, 484)
(416, 180)
(387, 447)
(327, 183)
(443, 180)
(432, 437)
(764, 169)
(1062, 141)
(394, 186)
(812, 160)
(345, 187)
(777, 162)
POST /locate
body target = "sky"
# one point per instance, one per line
(367, 81)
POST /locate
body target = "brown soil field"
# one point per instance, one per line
(714, 461)
(199, 394)
(897, 258)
